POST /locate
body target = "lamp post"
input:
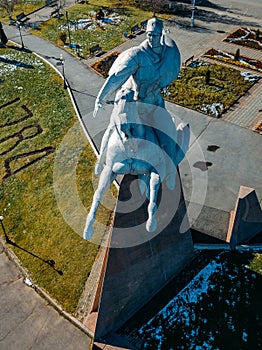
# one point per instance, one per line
(19, 28)
(3, 228)
(63, 69)
(68, 29)
(192, 16)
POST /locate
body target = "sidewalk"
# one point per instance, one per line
(42, 15)
(26, 320)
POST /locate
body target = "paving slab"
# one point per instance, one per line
(211, 179)
(26, 319)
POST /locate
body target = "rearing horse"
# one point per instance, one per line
(129, 151)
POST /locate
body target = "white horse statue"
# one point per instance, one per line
(129, 151)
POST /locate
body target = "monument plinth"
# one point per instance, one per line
(146, 248)
(132, 275)
(246, 220)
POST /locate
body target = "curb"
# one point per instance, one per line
(27, 280)
(11, 255)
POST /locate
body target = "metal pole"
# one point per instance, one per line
(63, 70)
(19, 28)
(69, 37)
(3, 228)
(192, 23)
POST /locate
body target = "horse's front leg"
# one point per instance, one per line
(151, 223)
(106, 178)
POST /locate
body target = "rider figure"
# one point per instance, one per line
(144, 70)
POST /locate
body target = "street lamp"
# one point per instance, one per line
(7, 239)
(68, 28)
(19, 28)
(192, 17)
(63, 69)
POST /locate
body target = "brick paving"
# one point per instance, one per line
(248, 111)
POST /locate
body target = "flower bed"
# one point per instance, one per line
(228, 57)
(246, 37)
(103, 66)
(209, 88)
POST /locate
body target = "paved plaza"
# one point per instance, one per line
(27, 321)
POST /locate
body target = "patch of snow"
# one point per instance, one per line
(225, 54)
(179, 306)
(196, 64)
(249, 76)
(166, 91)
(216, 109)
(18, 60)
(28, 282)
(244, 336)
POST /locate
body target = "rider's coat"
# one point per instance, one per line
(143, 71)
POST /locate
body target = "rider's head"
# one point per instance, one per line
(154, 32)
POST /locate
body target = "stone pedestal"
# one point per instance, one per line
(138, 264)
(246, 220)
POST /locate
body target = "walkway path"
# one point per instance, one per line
(44, 14)
(27, 321)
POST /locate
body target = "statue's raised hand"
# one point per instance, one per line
(98, 105)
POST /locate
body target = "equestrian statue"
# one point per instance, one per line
(141, 138)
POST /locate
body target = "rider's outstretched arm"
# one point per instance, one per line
(124, 66)
(111, 85)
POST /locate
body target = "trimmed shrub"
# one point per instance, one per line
(62, 36)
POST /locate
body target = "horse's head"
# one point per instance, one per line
(125, 113)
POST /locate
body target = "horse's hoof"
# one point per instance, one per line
(98, 168)
(151, 225)
(88, 233)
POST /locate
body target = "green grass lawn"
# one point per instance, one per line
(108, 36)
(36, 114)
(26, 6)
